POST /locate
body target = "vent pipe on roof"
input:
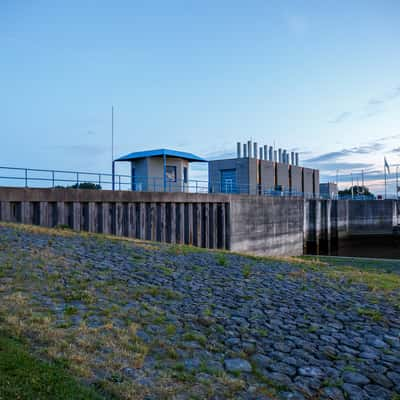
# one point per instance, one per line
(249, 148)
(297, 159)
(280, 155)
(265, 152)
(292, 157)
(261, 153)
(255, 151)
(275, 156)
(238, 147)
(284, 156)
(244, 150)
(271, 153)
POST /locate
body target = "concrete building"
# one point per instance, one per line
(161, 170)
(262, 171)
(329, 190)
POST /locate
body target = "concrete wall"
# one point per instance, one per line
(316, 182)
(295, 178)
(372, 216)
(282, 175)
(267, 177)
(254, 224)
(267, 225)
(308, 180)
(201, 220)
(241, 165)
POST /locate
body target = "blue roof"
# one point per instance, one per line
(160, 153)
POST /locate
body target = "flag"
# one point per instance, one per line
(387, 166)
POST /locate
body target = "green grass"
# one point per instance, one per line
(23, 377)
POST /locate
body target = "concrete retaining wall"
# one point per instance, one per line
(267, 225)
(200, 220)
(254, 224)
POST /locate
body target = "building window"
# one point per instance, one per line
(185, 175)
(171, 173)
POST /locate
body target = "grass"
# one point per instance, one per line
(24, 377)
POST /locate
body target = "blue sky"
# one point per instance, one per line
(319, 77)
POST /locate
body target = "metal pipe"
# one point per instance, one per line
(244, 150)
(297, 159)
(280, 155)
(284, 156)
(265, 152)
(292, 157)
(271, 153)
(249, 148)
(261, 153)
(275, 156)
(238, 147)
(255, 151)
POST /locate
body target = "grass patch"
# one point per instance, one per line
(221, 259)
(24, 377)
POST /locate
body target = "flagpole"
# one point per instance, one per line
(384, 168)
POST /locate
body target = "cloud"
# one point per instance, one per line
(346, 166)
(372, 107)
(341, 117)
(395, 150)
(334, 155)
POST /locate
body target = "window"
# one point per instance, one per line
(185, 175)
(171, 173)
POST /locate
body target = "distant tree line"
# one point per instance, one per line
(83, 185)
(356, 191)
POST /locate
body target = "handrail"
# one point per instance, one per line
(146, 183)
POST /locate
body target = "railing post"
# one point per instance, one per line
(52, 178)
(77, 180)
(26, 177)
(119, 182)
(100, 180)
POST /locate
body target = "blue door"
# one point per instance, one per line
(228, 181)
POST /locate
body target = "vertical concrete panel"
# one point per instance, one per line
(197, 224)
(189, 224)
(4, 211)
(61, 213)
(26, 212)
(206, 226)
(44, 214)
(180, 224)
(76, 216)
(162, 223)
(153, 221)
(142, 230)
(221, 226)
(92, 216)
(132, 220)
(213, 226)
(173, 222)
(119, 219)
(227, 226)
(106, 219)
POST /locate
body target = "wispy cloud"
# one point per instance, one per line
(335, 155)
(341, 117)
(373, 106)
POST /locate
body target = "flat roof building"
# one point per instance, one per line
(160, 170)
(262, 170)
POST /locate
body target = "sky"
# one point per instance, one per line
(321, 78)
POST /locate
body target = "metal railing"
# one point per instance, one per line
(43, 178)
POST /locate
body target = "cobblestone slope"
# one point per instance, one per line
(145, 320)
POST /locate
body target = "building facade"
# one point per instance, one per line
(262, 170)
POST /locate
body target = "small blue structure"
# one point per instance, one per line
(161, 170)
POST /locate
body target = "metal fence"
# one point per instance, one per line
(43, 178)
